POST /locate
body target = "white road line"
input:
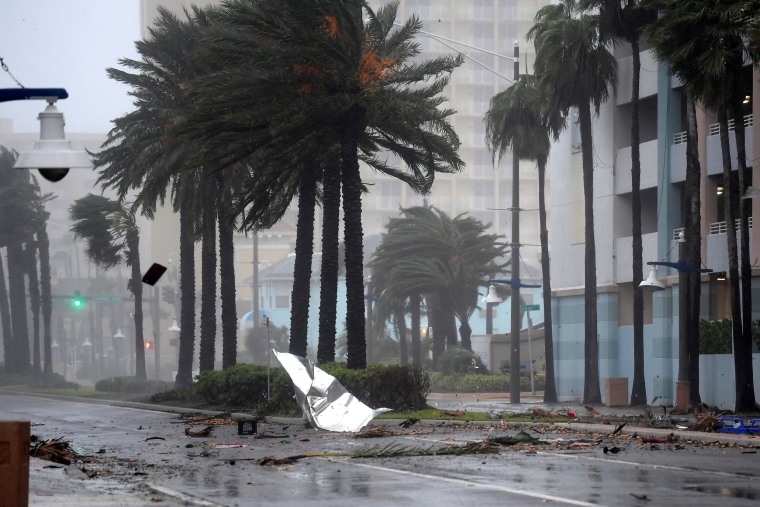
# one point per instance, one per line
(647, 465)
(182, 496)
(504, 489)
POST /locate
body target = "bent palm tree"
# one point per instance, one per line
(517, 119)
(574, 70)
(112, 235)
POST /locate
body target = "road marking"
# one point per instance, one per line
(182, 496)
(540, 496)
(648, 465)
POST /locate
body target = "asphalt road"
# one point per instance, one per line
(143, 457)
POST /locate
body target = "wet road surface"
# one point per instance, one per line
(141, 457)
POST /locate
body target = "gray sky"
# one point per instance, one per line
(68, 44)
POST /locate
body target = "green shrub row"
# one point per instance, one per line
(131, 385)
(474, 383)
(384, 385)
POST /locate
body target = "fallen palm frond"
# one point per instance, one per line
(205, 432)
(55, 450)
(521, 438)
(708, 423)
(375, 432)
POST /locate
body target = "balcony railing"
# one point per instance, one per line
(715, 127)
(720, 227)
(679, 137)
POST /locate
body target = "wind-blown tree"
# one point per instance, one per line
(145, 153)
(21, 212)
(574, 69)
(316, 70)
(426, 252)
(517, 119)
(112, 236)
(707, 52)
(624, 20)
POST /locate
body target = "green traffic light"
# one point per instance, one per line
(77, 301)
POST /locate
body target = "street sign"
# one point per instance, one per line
(530, 308)
(107, 299)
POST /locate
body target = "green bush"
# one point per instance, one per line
(381, 385)
(471, 383)
(460, 360)
(131, 385)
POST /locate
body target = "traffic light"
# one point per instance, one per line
(148, 345)
(77, 302)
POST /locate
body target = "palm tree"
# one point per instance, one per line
(624, 20)
(574, 70)
(427, 252)
(707, 53)
(517, 119)
(20, 208)
(318, 60)
(111, 233)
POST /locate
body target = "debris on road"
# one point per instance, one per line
(325, 403)
(56, 450)
(375, 432)
(205, 432)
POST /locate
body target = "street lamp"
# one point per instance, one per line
(52, 154)
(174, 327)
(491, 299)
(117, 346)
(683, 386)
(269, 353)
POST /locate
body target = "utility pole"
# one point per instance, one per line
(514, 370)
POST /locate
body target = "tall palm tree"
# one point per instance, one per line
(709, 61)
(517, 119)
(112, 236)
(574, 69)
(20, 205)
(624, 21)
(315, 70)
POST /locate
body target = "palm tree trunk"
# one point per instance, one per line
(5, 317)
(729, 206)
(47, 301)
(34, 299)
(208, 280)
(328, 291)
(227, 283)
(591, 391)
(187, 306)
(352, 219)
(550, 387)
(639, 390)
(745, 389)
(414, 307)
(301, 294)
(399, 319)
(133, 245)
(693, 253)
(17, 290)
(465, 332)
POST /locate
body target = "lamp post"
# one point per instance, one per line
(269, 353)
(514, 371)
(683, 386)
(117, 347)
(491, 299)
(175, 329)
(52, 154)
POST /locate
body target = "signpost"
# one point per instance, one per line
(530, 308)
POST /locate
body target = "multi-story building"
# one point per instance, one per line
(663, 168)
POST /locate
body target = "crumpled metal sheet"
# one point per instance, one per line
(325, 403)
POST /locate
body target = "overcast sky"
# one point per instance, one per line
(68, 44)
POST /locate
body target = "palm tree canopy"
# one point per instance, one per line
(93, 220)
(573, 65)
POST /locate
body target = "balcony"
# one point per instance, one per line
(717, 253)
(714, 156)
(648, 167)
(678, 158)
(648, 81)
